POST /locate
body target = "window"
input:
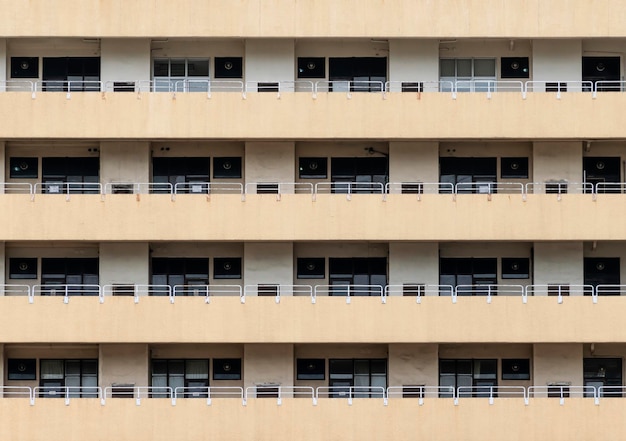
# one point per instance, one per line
(169, 271)
(24, 168)
(22, 368)
(469, 74)
(603, 171)
(514, 168)
(514, 67)
(603, 271)
(359, 175)
(227, 369)
(227, 268)
(475, 377)
(469, 273)
(556, 87)
(311, 67)
(359, 273)
(358, 74)
(80, 276)
(193, 375)
(267, 290)
(515, 369)
(412, 87)
(413, 289)
(75, 74)
(605, 70)
(515, 268)
(605, 373)
(23, 267)
(229, 67)
(368, 377)
(181, 74)
(313, 168)
(311, 267)
(311, 369)
(24, 67)
(555, 290)
(73, 175)
(187, 175)
(227, 167)
(469, 175)
(80, 376)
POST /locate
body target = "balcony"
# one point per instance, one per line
(368, 419)
(312, 217)
(527, 114)
(296, 319)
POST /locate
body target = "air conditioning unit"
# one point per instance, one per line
(54, 187)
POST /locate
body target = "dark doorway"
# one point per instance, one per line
(603, 271)
(603, 171)
(71, 73)
(604, 72)
(358, 74)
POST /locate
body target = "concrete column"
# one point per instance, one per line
(413, 263)
(124, 364)
(413, 162)
(557, 363)
(124, 161)
(413, 365)
(125, 60)
(557, 60)
(124, 263)
(557, 162)
(270, 161)
(3, 162)
(3, 266)
(269, 60)
(558, 263)
(4, 63)
(267, 363)
(268, 263)
(414, 61)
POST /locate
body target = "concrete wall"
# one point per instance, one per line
(557, 363)
(557, 60)
(268, 263)
(5, 63)
(270, 162)
(413, 364)
(558, 263)
(268, 364)
(413, 162)
(124, 263)
(125, 60)
(413, 263)
(123, 364)
(124, 162)
(413, 60)
(558, 162)
(269, 60)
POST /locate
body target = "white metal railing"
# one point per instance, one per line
(489, 187)
(419, 187)
(278, 290)
(68, 188)
(556, 187)
(208, 187)
(66, 290)
(192, 85)
(16, 188)
(419, 291)
(559, 390)
(279, 187)
(350, 392)
(349, 291)
(66, 392)
(16, 392)
(206, 291)
(350, 187)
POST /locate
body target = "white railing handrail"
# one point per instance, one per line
(209, 392)
(281, 289)
(67, 392)
(208, 187)
(352, 391)
(281, 187)
(16, 391)
(490, 391)
(15, 290)
(419, 391)
(349, 290)
(66, 290)
(350, 187)
(64, 187)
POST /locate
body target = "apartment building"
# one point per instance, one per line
(312, 220)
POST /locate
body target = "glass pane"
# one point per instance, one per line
(361, 367)
(485, 369)
(177, 68)
(378, 367)
(197, 369)
(176, 382)
(72, 367)
(176, 367)
(51, 369)
(198, 68)
(159, 367)
(464, 67)
(447, 67)
(161, 68)
(90, 367)
(485, 68)
(340, 369)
